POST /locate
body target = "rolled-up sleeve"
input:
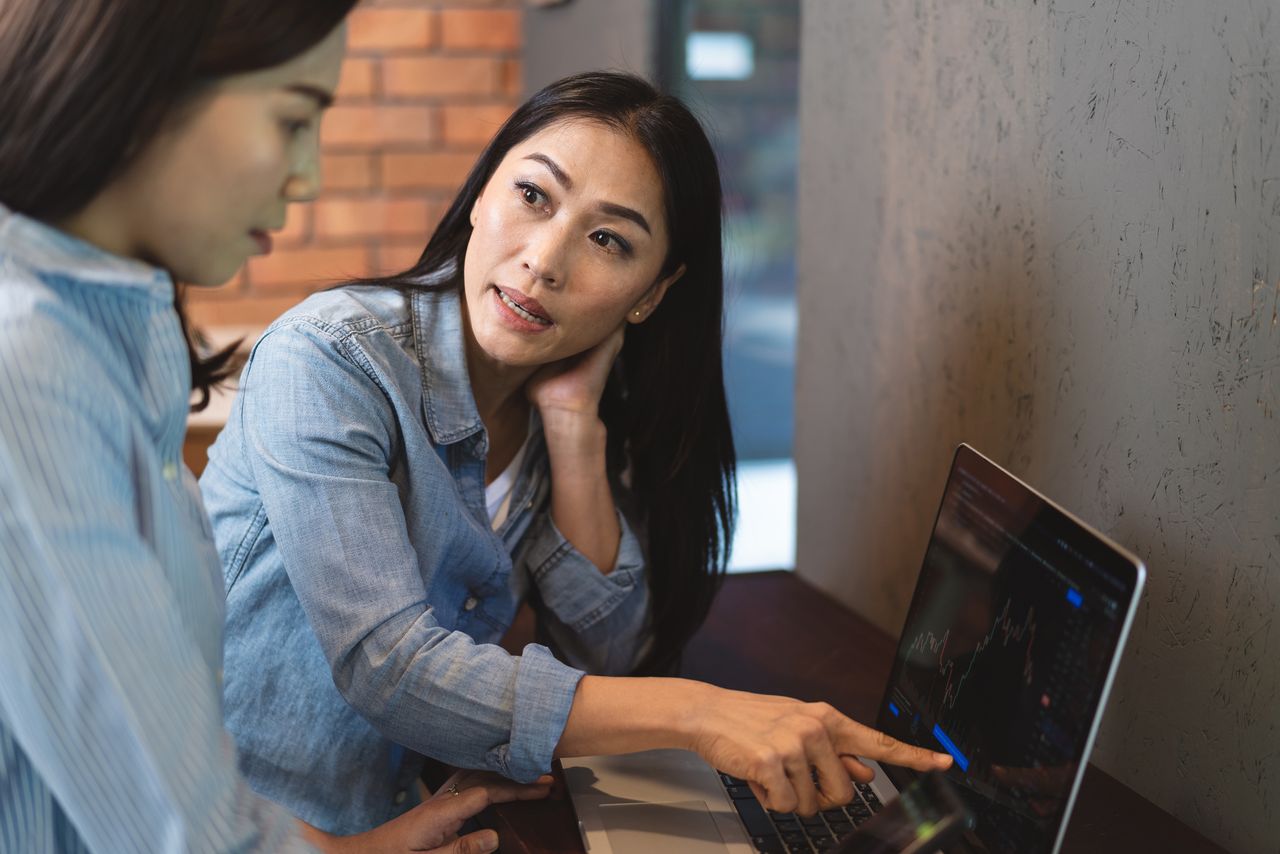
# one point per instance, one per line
(322, 438)
(106, 702)
(596, 621)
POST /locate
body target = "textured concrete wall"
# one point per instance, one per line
(1052, 229)
(583, 35)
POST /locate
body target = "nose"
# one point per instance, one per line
(303, 182)
(545, 254)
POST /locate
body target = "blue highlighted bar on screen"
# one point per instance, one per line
(893, 709)
(1074, 597)
(945, 741)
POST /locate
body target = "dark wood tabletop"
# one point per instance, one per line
(773, 633)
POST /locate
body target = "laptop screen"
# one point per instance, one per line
(1007, 652)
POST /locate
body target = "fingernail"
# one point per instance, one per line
(489, 841)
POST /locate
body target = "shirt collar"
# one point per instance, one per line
(447, 402)
(48, 251)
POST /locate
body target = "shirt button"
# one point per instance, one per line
(470, 604)
(170, 471)
(400, 796)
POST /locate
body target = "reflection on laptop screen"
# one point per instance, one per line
(1007, 651)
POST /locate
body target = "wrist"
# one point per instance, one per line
(322, 841)
(668, 711)
(624, 714)
(570, 421)
(689, 719)
(572, 434)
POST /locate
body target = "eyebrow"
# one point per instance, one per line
(610, 208)
(626, 213)
(554, 168)
(323, 98)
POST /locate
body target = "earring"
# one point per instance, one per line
(636, 312)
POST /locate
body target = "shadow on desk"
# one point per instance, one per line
(770, 632)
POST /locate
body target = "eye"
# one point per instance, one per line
(610, 241)
(294, 127)
(531, 195)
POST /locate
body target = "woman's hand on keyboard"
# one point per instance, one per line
(775, 743)
(779, 745)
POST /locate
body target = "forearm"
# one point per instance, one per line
(581, 502)
(775, 743)
(325, 842)
(612, 715)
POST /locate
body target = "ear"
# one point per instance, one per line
(475, 206)
(648, 303)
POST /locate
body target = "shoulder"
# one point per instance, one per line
(26, 298)
(50, 345)
(60, 389)
(351, 310)
(369, 327)
(348, 350)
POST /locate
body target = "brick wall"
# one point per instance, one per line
(424, 86)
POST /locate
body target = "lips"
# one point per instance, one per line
(263, 239)
(523, 305)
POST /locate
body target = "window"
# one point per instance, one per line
(736, 62)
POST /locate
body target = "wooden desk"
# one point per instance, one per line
(771, 632)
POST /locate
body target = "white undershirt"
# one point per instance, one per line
(497, 495)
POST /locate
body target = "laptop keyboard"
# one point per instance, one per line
(787, 833)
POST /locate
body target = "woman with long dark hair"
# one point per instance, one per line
(411, 458)
(141, 143)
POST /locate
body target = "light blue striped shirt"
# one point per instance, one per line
(111, 596)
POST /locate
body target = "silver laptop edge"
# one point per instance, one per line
(1121, 640)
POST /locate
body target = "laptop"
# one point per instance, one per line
(1008, 653)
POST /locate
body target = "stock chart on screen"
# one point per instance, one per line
(1005, 651)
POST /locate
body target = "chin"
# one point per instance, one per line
(209, 275)
(511, 353)
(515, 357)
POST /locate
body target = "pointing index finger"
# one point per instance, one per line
(863, 741)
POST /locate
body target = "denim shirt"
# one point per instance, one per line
(366, 588)
(111, 599)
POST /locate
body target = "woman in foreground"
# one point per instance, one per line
(142, 143)
(534, 412)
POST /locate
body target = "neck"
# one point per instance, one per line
(99, 223)
(498, 389)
